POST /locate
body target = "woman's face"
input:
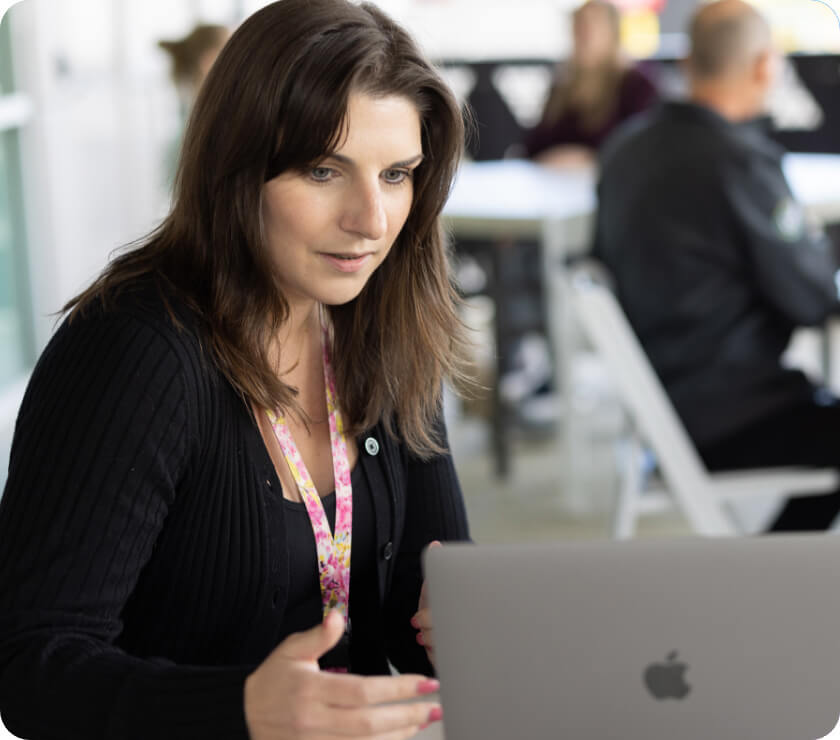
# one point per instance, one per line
(595, 41)
(330, 227)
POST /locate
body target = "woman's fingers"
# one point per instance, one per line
(349, 691)
(313, 643)
(423, 602)
(399, 734)
(422, 620)
(373, 722)
(426, 639)
(288, 698)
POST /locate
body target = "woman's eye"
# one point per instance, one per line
(395, 177)
(320, 174)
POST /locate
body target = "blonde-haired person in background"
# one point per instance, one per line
(191, 58)
(595, 91)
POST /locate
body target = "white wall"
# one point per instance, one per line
(104, 114)
(94, 154)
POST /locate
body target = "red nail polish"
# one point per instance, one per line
(436, 715)
(414, 623)
(429, 686)
(420, 640)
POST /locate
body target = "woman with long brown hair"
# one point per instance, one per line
(232, 453)
(593, 92)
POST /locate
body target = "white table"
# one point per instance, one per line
(508, 200)
(505, 200)
(815, 181)
(517, 198)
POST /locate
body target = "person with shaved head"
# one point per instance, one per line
(716, 263)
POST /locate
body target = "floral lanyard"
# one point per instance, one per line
(333, 551)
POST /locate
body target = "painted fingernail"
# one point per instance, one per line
(436, 715)
(429, 686)
(415, 623)
(420, 640)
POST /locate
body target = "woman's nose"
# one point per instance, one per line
(365, 213)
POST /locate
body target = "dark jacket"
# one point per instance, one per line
(143, 563)
(715, 262)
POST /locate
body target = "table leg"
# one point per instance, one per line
(501, 433)
(559, 330)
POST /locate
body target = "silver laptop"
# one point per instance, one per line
(730, 639)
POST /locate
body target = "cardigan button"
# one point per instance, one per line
(371, 446)
(388, 551)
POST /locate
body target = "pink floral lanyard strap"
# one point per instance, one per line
(333, 550)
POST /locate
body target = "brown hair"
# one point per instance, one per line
(592, 94)
(275, 101)
(186, 53)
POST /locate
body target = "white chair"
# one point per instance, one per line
(701, 496)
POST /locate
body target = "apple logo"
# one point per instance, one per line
(666, 680)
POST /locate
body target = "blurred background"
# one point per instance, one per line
(90, 120)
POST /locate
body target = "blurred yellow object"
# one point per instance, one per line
(640, 32)
(785, 39)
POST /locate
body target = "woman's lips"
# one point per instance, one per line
(348, 263)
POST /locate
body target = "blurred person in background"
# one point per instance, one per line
(716, 263)
(191, 59)
(595, 91)
(233, 448)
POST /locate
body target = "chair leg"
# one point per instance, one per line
(629, 453)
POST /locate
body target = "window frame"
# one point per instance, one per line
(15, 113)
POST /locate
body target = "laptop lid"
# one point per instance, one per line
(691, 639)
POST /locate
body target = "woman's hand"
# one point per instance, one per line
(289, 698)
(422, 620)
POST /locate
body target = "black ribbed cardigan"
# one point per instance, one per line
(143, 563)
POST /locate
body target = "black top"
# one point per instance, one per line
(304, 607)
(635, 94)
(715, 262)
(143, 554)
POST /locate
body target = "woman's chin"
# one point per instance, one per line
(340, 297)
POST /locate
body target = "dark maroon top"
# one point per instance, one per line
(635, 94)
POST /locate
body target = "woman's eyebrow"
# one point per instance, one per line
(402, 163)
(416, 159)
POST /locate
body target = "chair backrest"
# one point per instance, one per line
(642, 394)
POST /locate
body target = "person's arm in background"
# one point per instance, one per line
(103, 435)
(791, 259)
(434, 511)
(555, 144)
